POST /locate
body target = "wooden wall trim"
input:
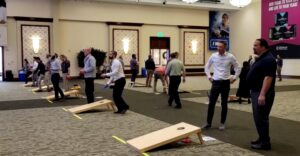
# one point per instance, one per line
(125, 24)
(192, 27)
(33, 19)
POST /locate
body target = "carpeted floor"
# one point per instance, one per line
(40, 120)
(240, 126)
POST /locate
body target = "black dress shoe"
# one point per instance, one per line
(261, 146)
(123, 111)
(206, 127)
(177, 107)
(255, 142)
(56, 99)
(117, 112)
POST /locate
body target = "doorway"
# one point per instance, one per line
(160, 50)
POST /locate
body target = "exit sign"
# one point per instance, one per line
(160, 34)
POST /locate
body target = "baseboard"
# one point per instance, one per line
(291, 76)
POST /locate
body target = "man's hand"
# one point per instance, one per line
(232, 80)
(103, 75)
(183, 80)
(211, 79)
(261, 100)
(81, 71)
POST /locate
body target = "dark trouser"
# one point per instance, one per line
(133, 74)
(173, 90)
(28, 73)
(55, 81)
(89, 89)
(218, 87)
(261, 115)
(117, 94)
(279, 72)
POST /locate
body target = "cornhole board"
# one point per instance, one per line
(43, 87)
(165, 136)
(67, 93)
(108, 103)
(29, 84)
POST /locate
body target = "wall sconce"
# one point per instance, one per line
(194, 46)
(126, 45)
(35, 43)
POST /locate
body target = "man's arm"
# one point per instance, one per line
(92, 66)
(237, 69)
(265, 88)
(183, 73)
(207, 68)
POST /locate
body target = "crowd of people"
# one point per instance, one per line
(257, 81)
(41, 72)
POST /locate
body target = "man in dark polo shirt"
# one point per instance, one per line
(261, 79)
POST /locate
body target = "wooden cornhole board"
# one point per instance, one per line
(108, 103)
(29, 84)
(67, 93)
(165, 136)
(43, 87)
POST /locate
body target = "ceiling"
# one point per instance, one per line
(201, 4)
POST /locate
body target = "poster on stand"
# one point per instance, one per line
(218, 29)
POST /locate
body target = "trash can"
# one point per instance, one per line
(144, 72)
(22, 75)
(9, 75)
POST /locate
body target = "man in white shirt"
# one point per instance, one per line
(118, 77)
(221, 79)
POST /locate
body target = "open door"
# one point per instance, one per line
(160, 50)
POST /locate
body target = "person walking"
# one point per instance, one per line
(175, 70)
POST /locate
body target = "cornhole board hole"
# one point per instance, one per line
(67, 93)
(29, 84)
(43, 87)
(165, 136)
(108, 103)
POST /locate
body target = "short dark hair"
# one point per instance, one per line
(263, 43)
(224, 43)
(114, 53)
(225, 15)
(174, 55)
(133, 56)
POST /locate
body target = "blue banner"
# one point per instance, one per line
(218, 29)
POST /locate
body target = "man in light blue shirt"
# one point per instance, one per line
(89, 72)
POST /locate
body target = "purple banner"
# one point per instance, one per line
(281, 26)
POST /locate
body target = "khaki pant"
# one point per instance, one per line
(65, 81)
(149, 77)
(40, 78)
(162, 79)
